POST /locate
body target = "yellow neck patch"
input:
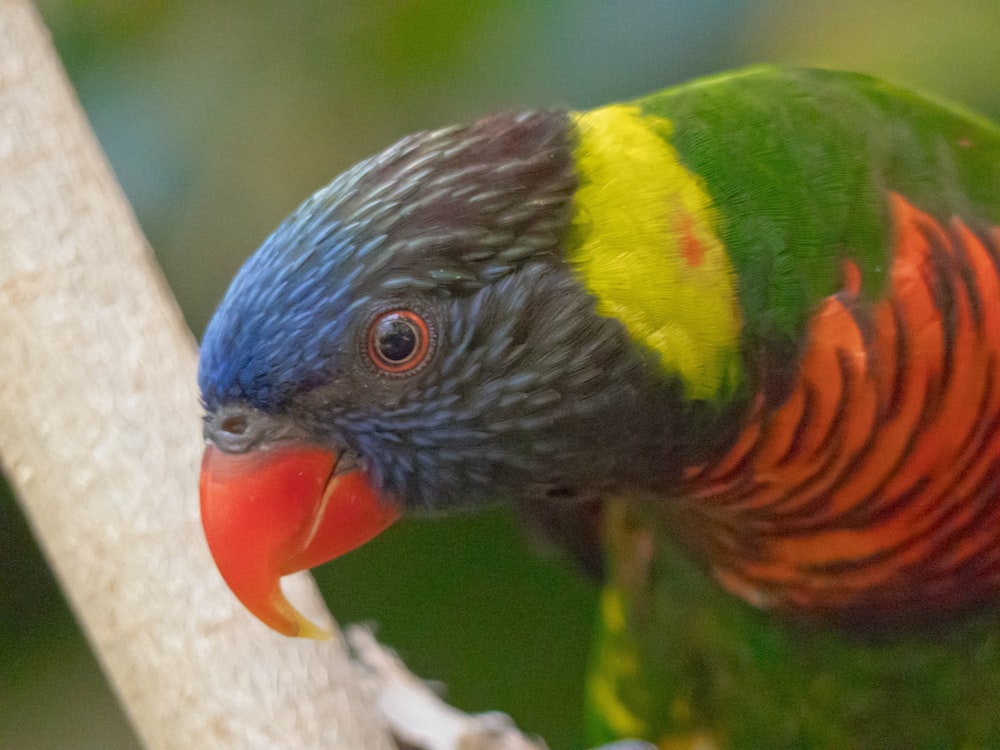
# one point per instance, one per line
(645, 244)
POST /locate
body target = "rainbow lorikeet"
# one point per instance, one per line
(737, 343)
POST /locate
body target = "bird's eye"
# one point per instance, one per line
(398, 341)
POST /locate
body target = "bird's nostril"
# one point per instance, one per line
(235, 425)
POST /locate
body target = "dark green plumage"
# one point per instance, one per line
(711, 668)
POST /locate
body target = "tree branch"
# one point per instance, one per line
(100, 435)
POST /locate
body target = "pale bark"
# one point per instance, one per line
(100, 436)
(421, 720)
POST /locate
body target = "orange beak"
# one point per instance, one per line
(270, 513)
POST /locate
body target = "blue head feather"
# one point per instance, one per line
(279, 323)
(440, 213)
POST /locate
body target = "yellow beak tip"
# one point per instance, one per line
(309, 629)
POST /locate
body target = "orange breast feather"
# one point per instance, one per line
(873, 491)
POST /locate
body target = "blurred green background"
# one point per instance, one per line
(220, 117)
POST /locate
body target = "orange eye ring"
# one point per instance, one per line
(398, 341)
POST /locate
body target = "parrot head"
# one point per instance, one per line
(411, 339)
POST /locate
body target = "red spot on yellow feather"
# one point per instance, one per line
(691, 247)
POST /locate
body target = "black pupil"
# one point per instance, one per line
(396, 340)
